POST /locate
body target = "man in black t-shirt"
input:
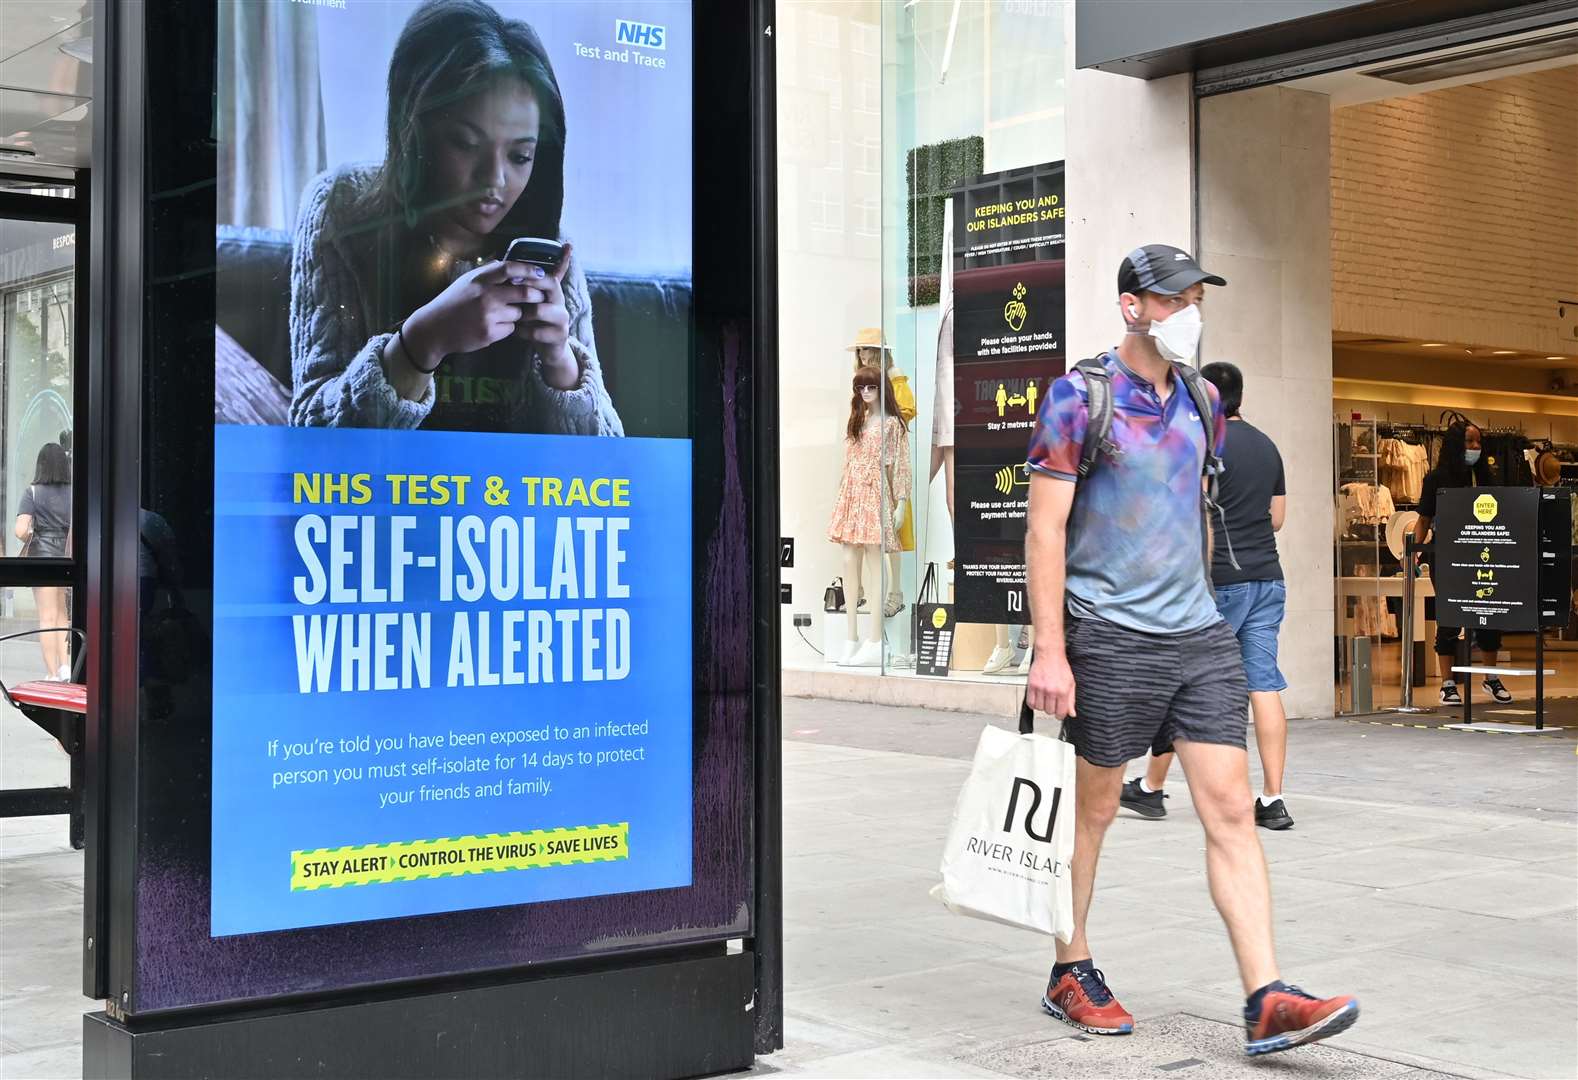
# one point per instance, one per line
(1251, 597)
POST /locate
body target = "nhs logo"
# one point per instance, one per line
(643, 35)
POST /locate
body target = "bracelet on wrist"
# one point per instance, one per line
(409, 357)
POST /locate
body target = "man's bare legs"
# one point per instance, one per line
(1271, 739)
(1096, 792)
(1234, 862)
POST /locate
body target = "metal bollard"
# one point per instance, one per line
(1407, 628)
(1363, 686)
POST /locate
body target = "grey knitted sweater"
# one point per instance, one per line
(338, 333)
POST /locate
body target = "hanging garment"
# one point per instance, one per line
(1403, 468)
(1364, 504)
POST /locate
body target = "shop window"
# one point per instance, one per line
(830, 82)
(865, 38)
(822, 29)
(868, 217)
(37, 344)
(835, 153)
(827, 212)
(869, 96)
(868, 155)
(37, 332)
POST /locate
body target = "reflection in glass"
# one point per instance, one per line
(37, 331)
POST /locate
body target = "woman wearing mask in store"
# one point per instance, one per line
(404, 313)
(876, 471)
(1461, 464)
(870, 352)
(43, 522)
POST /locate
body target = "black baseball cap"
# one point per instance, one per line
(1159, 268)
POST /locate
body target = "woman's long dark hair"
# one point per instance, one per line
(54, 465)
(857, 407)
(451, 50)
(1451, 462)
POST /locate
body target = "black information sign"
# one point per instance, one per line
(933, 638)
(1487, 556)
(786, 552)
(1556, 555)
(1008, 304)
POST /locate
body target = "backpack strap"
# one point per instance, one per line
(1212, 469)
(1098, 410)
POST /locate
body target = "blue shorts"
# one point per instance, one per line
(1253, 609)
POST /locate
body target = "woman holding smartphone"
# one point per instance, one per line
(404, 312)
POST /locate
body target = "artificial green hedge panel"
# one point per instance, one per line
(931, 174)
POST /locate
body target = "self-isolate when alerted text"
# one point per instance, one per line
(366, 559)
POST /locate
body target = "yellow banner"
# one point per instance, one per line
(410, 860)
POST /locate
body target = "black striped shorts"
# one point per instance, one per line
(1135, 692)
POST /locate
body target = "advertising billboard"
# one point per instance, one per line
(452, 649)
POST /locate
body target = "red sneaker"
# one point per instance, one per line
(1289, 1017)
(1081, 999)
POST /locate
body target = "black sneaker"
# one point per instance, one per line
(1494, 688)
(1274, 817)
(1449, 694)
(1145, 803)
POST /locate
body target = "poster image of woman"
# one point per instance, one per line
(403, 312)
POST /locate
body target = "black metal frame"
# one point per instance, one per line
(767, 944)
(120, 280)
(114, 410)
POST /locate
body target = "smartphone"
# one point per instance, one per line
(536, 251)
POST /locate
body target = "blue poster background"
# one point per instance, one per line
(257, 823)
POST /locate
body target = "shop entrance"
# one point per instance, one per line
(1399, 238)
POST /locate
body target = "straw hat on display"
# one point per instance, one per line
(1547, 469)
(869, 337)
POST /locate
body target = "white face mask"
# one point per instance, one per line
(1178, 336)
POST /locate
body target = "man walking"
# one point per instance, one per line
(1143, 660)
(1251, 596)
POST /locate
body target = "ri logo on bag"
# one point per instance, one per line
(1035, 799)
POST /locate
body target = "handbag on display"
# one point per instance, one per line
(833, 596)
(1012, 838)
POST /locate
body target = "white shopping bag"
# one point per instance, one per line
(1008, 850)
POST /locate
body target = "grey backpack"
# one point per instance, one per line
(1098, 428)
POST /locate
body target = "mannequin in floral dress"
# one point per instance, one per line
(870, 352)
(876, 474)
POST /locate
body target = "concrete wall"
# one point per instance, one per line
(1264, 163)
(1455, 214)
(1128, 183)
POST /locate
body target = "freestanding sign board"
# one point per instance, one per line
(1487, 558)
(437, 649)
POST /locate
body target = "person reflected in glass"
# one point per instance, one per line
(404, 313)
(43, 521)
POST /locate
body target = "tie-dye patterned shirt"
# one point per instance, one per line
(1135, 545)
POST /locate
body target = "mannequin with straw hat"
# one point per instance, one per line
(872, 352)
